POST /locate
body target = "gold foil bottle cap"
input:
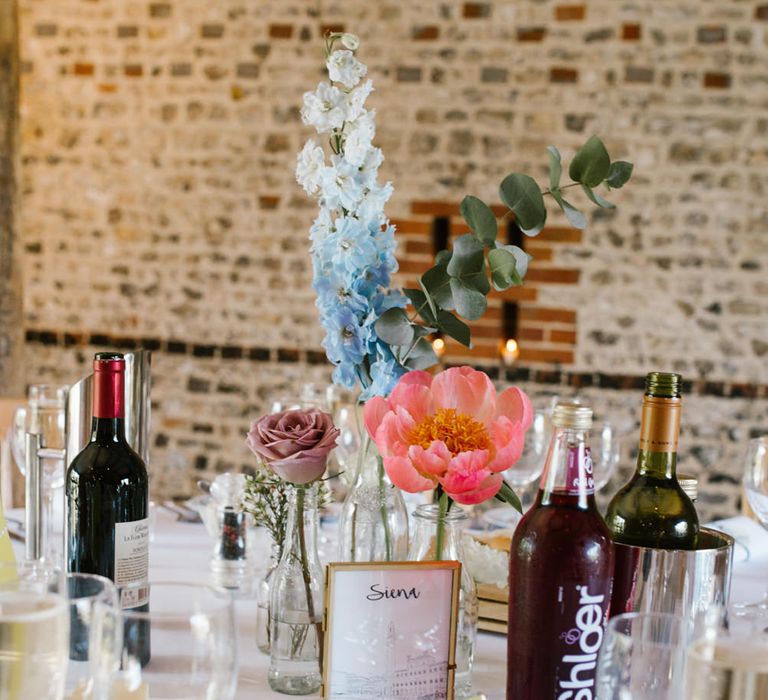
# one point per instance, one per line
(690, 484)
(572, 415)
(663, 385)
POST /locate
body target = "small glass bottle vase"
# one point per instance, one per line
(296, 603)
(374, 521)
(423, 549)
(263, 596)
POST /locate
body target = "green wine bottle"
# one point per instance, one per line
(652, 510)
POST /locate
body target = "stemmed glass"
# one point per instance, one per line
(605, 444)
(45, 414)
(531, 463)
(756, 484)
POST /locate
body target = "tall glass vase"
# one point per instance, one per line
(427, 539)
(374, 522)
(296, 604)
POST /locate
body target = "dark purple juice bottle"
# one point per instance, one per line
(560, 574)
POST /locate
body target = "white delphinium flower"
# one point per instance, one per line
(340, 185)
(322, 226)
(326, 109)
(358, 136)
(369, 169)
(371, 206)
(356, 100)
(351, 41)
(344, 68)
(309, 166)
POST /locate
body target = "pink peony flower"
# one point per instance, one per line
(452, 430)
(294, 443)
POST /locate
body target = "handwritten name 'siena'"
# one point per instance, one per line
(379, 593)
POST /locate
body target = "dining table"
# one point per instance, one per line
(181, 550)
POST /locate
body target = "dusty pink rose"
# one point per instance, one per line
(294, 443)
(452, 430)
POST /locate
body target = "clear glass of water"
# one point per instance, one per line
(729, 659)
(34, 635)
(44, 414)
(188, 635)
(642, 658)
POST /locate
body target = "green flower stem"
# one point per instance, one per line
(383, 510)
(442, 509)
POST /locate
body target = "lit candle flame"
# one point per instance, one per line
(510, 351)
(438, 345)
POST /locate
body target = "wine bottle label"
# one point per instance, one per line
(660, 424)
(579, 472)
(132, 562)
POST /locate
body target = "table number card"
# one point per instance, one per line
(391, 630)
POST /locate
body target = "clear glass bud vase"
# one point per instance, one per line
(423, 547)
(296, 603)
(374, 521)
(263, 596)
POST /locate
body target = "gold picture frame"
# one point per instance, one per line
(400, 585)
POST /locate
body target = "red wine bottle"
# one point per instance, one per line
(107, 492)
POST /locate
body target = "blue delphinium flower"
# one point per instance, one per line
(353, 243)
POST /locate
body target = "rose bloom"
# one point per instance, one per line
(452, 431)
(295, 443)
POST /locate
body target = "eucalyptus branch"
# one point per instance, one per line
(457, 285)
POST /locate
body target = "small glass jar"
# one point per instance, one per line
(296, 604)
(426, 519)
(373, 525)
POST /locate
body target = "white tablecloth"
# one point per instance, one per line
(181, 552)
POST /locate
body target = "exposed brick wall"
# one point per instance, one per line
(157, 157)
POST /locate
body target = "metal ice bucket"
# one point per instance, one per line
(677, 581)
(137, 407)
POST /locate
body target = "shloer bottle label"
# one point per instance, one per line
(579, 472)
(579, 647)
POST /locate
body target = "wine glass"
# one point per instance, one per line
(183, 646)
(531, 463)
(45, 414)
(756, 485)
(34, 633)
(756, 477)
(605, 445)
(642, 657)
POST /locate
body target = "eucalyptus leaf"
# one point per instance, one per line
(454, 327)
(443, 257)
(597, 199)
(420, 331)
(555, 167)
(468, 256)
(423, 304)
(522, 195)
(507, 495)
(619, 173)
(591, 163)
(394, 327)
(421, 356)
(503, 269)
(436, 282)
(470, 303)
(480, 218)
(577, 219)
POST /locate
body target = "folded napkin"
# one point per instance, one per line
(751, 537)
